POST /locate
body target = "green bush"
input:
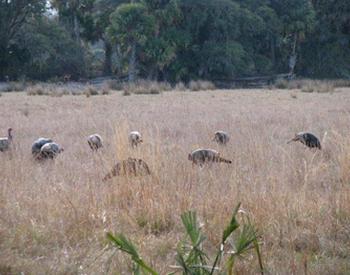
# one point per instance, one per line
(238, 239)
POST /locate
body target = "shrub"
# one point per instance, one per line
(164, 86)
(318, 86)
(56, 94)
(180, 86)
(289, 84)
(64, 91)
(237, 240)
(126, 92)
(14, 87)
(90, 91)
(25, 112)
(282, 84)
(105, 91)
(324, 87)
(47, 89)
(201, 85)
(56, 91)
(341, 83)
(154, 91)
(114, 85)
(37, 89)
(294, 95)
(139, 90)
(194, 86)
(307, 89)
(149, 88)
(146, 87)
(129, 89)
(309, 85)
(76, 92)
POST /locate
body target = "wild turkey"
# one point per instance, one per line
(50, 150)
(135, 138)
(129, 167)
(40, 142)
(5, 142)
(310, 140)
(95, 141)
(201, 156)
(221, 137)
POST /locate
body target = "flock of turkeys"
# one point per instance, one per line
(45, 148)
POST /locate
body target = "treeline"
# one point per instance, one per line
(174, 40)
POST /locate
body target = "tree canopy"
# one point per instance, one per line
(174, 40)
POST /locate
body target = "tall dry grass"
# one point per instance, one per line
(312, 86)
(54, 215)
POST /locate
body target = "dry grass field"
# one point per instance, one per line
(54, 215)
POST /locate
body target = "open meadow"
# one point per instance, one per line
(54, 215)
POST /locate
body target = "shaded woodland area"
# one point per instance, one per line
(173, 40)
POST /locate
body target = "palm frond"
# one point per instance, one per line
(125, 245)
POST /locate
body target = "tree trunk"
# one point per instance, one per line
(293, 57)
(273, 50)
(107, 66)
(132, 63)
(76, 28)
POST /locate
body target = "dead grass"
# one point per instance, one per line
(54, 215)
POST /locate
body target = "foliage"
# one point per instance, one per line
(237, 240)
(132, 27)
(174, 40)
(326, 53)
(13, 16)
(51, 51)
